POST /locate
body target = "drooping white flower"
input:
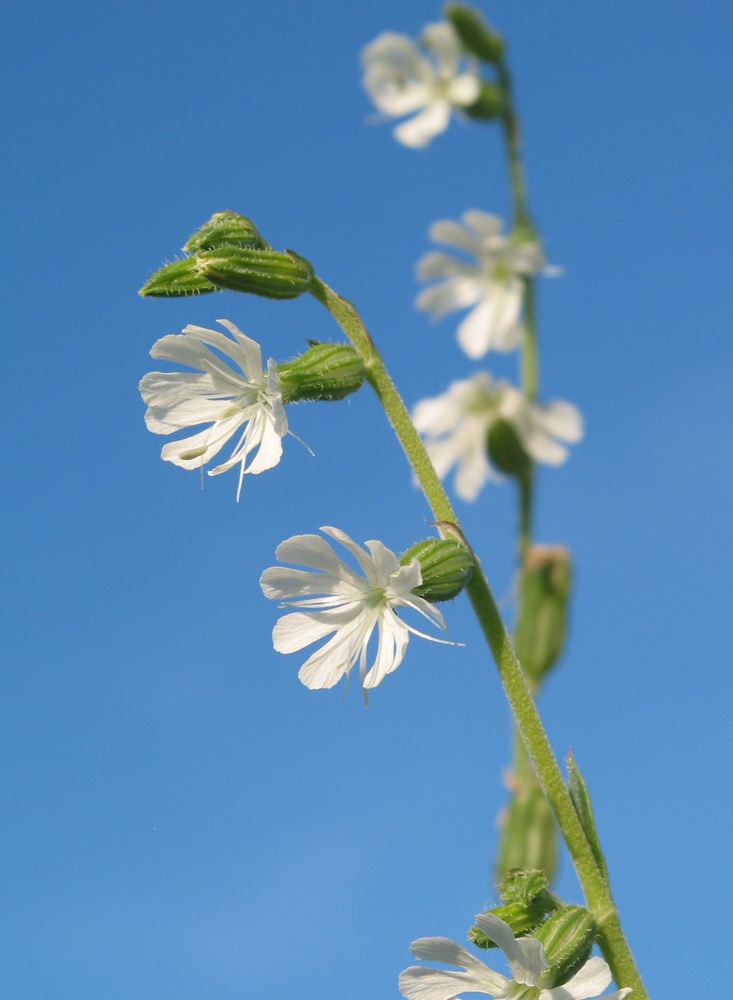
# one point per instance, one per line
(456, 426)
(491, 284)
(219, 395)
(527, 962)
(400, 80)
(346, 603)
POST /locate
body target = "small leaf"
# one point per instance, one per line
(581, 801)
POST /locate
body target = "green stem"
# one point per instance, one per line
(597, 892)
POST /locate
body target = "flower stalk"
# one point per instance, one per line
(595, 887)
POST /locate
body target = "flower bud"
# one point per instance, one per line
(505, 449)
(528, 838)
(567, 938)
(226, 228)
(522, 918)
(523, 885)
(446, 567)
(544, 588)
(180, 277)
(325, 371)
(490, 103)
(475, 35)
(269, 273)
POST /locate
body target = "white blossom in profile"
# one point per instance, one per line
(401, 80)
(527, 963)
(337, 599)
(490, 284)
(229, 400)
(456, 424)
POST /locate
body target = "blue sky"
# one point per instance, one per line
(181, 817)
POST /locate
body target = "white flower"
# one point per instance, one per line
(456, 425)
(400, 80)
(527, 962)
(492, 284)
(350, 605)
(217, 394)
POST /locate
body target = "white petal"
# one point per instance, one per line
(455, 293)
(324, 667)
(464, 90)
(363, 558)
(393, 639)
(442, 39)
(418, 131)
(299, 629)
(590, 981)
(431, 984)
(484, 223)
(563, 420)
(212, 438)
(441, 265)
(453, 233)
(384, 563)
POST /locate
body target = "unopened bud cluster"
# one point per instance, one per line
(446, 567)
(229, 252)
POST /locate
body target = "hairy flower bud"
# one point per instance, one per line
(269, 273)
(567, 938)
(446, 567)
(324, 372)
(180, 277)
(475, 35)
(505, 449)
(544, 589)
(523, 885)
(528, 838)
(226, 228)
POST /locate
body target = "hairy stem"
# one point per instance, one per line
(597, 892)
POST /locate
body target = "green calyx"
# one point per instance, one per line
(528, 833)
(526, 902)
(325, 372)
(567, 938)
(446, 567)
(268, 273)
(505, 449)
(226, 229)
(490, 103)
(544, 590)
(229, 252)
(180, 277)
(476, 36)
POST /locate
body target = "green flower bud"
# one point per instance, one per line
(491, 102)
(180, 277)
(476, 36)
(505, 449)
(528, 837)
(522, 919)
(567, 938)
(523, 885)
(226, 228)
(544, 589)
(325, 371)
(446, 567)
(268, 273)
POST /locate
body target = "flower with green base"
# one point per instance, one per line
(230, 401)
(527, 962)
(334, 599)
(400, 80)
(491, 284)
(456, 427)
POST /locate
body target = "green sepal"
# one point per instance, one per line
(490, 103)
(581, 800)
(269, 273)
(446, 567)
(541, 625)
(180, 277)
(324, 372)
(476, 36)
(567, 938)
(526, 903)
(523, 885)
(226, 228)
(528, 836)
(505, 449)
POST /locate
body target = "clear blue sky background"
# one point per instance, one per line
(180, 817)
